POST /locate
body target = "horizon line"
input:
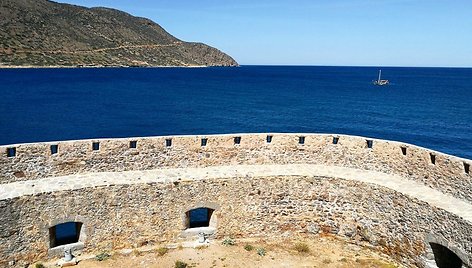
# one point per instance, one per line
(362, 66)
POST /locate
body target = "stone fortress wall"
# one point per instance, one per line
(135, 191)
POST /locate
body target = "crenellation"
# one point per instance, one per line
(133, 191)
(432, 158)
(112, 148)
(11, 151)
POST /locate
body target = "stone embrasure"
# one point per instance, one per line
(34, 161)
(394, 199)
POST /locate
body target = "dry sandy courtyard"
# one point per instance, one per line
(321, 252)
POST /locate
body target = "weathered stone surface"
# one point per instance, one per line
(127, 215)
(117, 215)
(34, 161)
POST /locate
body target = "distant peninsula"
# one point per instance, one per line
(41, 33)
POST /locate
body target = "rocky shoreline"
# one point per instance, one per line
(99, 66)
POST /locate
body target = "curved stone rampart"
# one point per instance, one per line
(392, 198)
(448, 174)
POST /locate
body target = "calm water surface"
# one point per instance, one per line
(430, 107)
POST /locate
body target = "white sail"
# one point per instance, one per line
(379, 81)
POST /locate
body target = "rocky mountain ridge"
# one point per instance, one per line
(44, 33)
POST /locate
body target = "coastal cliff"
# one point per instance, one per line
(41, 33)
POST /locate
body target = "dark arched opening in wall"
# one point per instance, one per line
(444, 257)
(199, 217)
(64, 234)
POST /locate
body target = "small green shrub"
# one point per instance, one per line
(228, 242)
(39, 265)
(102, 256)
(162, 251)
(261, 252)
(301, 247)
(248, 247)
(137, 253)
(180, 264)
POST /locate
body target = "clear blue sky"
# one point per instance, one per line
(318, 32)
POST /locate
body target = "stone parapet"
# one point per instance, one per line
(412, 203)
(443, 172)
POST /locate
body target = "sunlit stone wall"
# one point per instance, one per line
(448, 174)
(117, 216)
(126, 216)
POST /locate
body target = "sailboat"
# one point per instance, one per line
(379, 81)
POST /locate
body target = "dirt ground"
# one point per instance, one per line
(316, 252)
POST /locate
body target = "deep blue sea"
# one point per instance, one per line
(430, 107)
